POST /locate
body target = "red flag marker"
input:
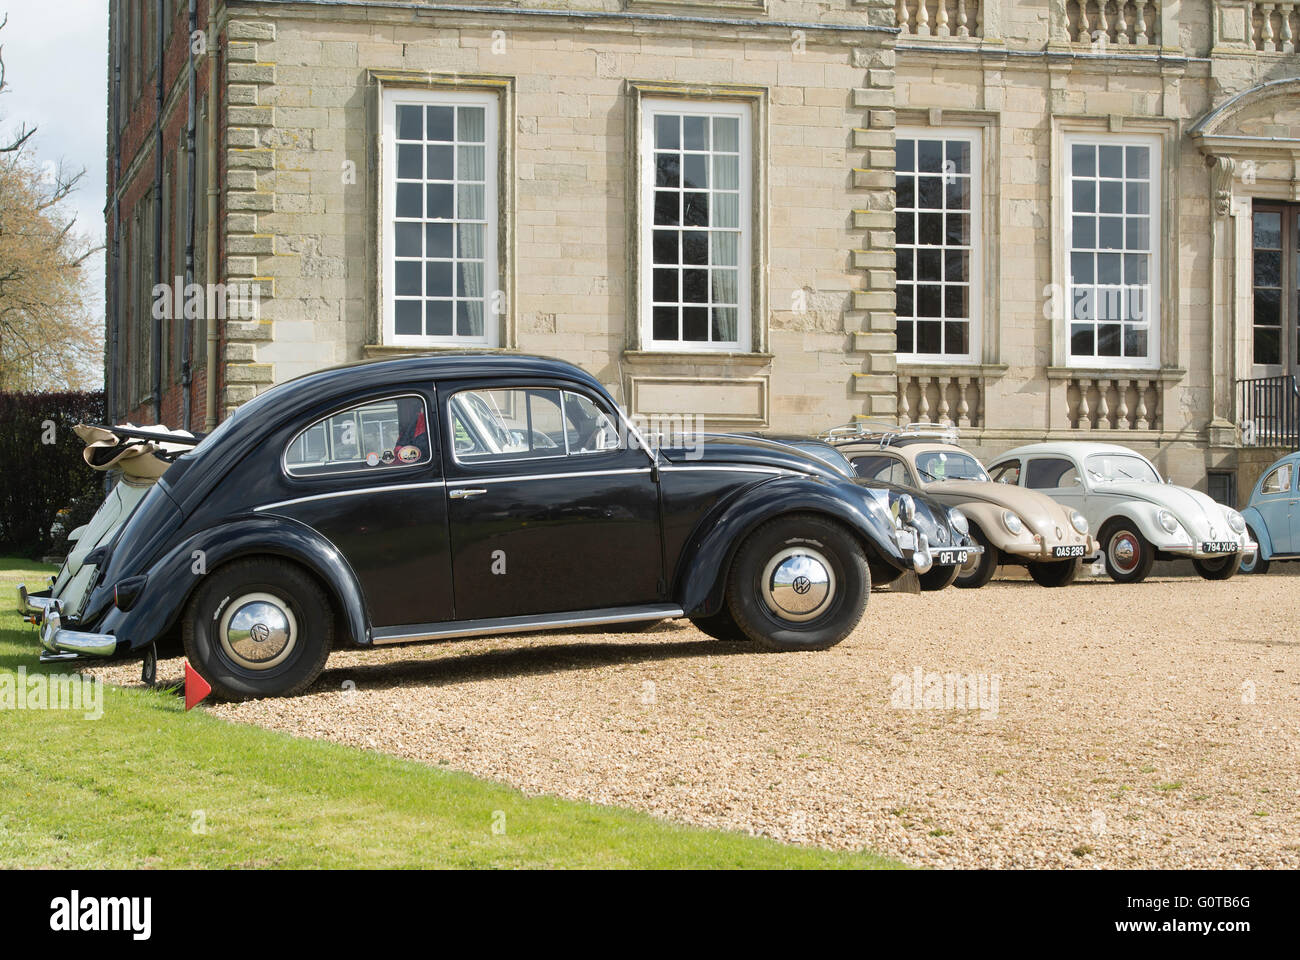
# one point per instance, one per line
(196, 688)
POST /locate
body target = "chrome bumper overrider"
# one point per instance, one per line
(58, 643)
(33, 606)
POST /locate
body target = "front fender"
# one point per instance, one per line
(173, 579)
(1256, 520)
(700, 578)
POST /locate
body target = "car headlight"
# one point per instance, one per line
(1013, 523)
(1078, 521)
(1167, 521)
(1236, 521)
(959, 522)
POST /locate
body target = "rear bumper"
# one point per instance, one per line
(60, 643)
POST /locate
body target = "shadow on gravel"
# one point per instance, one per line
(526, 661)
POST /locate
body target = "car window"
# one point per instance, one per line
(1279, 481)
(527, 423)
(377, 435)
(1051, 473)
(882, 468)
(935, 465)
(1008, 472)
(1121, 467)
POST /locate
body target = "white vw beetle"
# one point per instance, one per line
(1139, 518)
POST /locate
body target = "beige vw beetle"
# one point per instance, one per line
(1014, 525)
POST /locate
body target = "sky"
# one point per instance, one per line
(56, 55)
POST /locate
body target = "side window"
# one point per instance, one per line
(526, 423)
(881, 468)
(1050, 473)
(1008, 472)
(382, 434)
(1279, 481)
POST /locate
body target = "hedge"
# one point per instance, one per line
(40, 478)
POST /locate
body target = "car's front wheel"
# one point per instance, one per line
(1256, 563)
(258, 628)
(798, 582)
(1054, 573)
(1129, 555)
(978, 569)
(938, 578)
(1218, 568)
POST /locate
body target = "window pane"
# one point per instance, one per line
(441, 124)
(695, 324)
(437, 318)
(382, 435)
(410, 123)
(726, 134)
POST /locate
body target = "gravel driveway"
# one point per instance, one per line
(1153, 725)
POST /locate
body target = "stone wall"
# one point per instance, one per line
(303, 190)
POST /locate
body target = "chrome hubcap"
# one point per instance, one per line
(798, 584)
(258, 631)
(1124, 551)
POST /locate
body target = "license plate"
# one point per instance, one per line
(1075, 551)
(951, 558)
(1220, 546)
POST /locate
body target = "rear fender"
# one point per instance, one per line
(174, 578)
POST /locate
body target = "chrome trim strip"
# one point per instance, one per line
(548, 476)
(411, 633)
(773, 471)
(351, 493)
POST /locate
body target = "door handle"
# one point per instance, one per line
(463, 493)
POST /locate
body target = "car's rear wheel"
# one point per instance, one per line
(258, 628)
(720, 626)
(799, 582)
(978, 570)
(1218, 568)
(1256, 563)
(1129, 555)
(938, 578)
(1054, 573)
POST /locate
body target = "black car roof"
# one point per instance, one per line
(442, 365)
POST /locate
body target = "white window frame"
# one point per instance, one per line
(974, 137)
(392, 98)
(1154, 272)
(650, 109)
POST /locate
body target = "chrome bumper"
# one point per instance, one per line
(33, 606)
(912, 540)
(58, 643)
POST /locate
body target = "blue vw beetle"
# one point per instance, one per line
(1274, 515)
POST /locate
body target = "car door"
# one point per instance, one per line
(1060, 479)
(1277, 505)
(549, 508)
(368, 478)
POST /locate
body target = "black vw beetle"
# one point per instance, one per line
(433, 497)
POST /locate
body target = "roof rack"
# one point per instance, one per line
(886, 433)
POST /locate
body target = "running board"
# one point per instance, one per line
(412, 633)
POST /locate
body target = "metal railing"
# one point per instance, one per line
(1269, 410)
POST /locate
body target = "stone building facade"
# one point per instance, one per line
(1134, 172)
(692, 200)
(1092, 208)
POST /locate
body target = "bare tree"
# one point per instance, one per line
(49, 336)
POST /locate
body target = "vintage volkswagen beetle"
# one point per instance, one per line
(1273, 515)
(433, 497)
(1012, 524)
(1139, 517)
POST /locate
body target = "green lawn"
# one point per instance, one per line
(149, 786)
